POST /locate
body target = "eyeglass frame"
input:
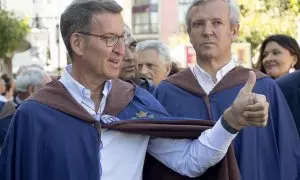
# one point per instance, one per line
(106, 39)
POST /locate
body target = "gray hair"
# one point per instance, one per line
(31, 76)
(77, 17)
(233, 7)
(25, 67)
(161, 49)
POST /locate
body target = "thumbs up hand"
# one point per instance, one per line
(248, 109)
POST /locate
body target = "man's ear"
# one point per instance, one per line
(30, 89)
(77, 44)
(235, 28)
(168, 68)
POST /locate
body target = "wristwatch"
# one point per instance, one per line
(227, 127)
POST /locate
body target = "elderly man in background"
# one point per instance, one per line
(29, 81)
(129, 66)
(154, 60)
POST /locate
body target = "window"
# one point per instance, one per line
(141, 2)
(145, 17)
(183, 6)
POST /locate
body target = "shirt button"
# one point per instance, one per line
(86, 92)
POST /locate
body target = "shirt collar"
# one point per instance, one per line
(220, 74)
(3, 98)
(78, 90)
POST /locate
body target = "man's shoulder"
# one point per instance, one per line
(289, 80)
(142, 93)
(165, 85)
(32, 106)
(146, 99)
(147, 85)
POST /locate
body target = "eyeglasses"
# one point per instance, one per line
(110, 39)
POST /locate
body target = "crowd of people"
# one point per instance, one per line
(124, 110)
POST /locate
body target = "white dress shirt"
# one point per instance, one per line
(206, 81)
(83, 95)
(2, 98)
(123, 154)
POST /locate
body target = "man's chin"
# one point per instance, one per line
(128, 77)
(207, 56)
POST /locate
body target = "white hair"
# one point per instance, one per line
(31, 76)
(233, 7)
(161, 49)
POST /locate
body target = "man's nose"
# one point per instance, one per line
(129, 56)
(119, 48)
(207, 29)
(144, 70)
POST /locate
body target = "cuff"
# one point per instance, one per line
(218, 137)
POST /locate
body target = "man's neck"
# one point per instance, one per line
(212, 66)
(93, 83)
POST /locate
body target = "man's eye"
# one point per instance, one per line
(217, 23)
(197, 24)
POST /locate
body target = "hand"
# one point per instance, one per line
(248, 109)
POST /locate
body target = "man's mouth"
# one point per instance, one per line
(129, 68)
(114, 63)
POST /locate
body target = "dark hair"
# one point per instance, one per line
(8, 83)
(78, 15)
(174, 69)
(286, 42)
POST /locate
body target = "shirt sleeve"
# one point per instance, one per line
(192, 157)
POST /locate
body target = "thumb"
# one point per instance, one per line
(250, 82)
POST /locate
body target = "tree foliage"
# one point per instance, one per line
(261, 18)
(12, 32)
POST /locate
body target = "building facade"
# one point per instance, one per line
(164, 20)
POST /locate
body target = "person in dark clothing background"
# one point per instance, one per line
(290, 86)
(129, 67)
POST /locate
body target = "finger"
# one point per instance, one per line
(256, 107)
(251, 99)
(260, 98)
(258, 123)
(254, 114)
(250, 82)
(257, 120)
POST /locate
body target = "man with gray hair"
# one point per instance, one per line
(84, 125)
(206, 90)
(29, 81)
(154, 60)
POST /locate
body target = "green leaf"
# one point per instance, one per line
(12, 32)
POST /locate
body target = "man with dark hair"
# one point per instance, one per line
(206, 90)
(67, 130)
(129, 66)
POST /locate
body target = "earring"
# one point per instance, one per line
(292, 69)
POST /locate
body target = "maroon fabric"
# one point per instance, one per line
(227, 169)
(56, 96)
(186, 80)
